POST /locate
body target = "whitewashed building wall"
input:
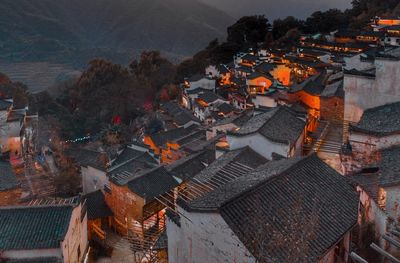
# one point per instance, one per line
(207, 238)
(364, 93)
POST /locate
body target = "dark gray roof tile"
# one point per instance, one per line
(24, 228)
(309, 191)
(153, 183)
(380, 121)
(96, 205)
(8, 180)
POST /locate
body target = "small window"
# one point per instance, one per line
(370, 170)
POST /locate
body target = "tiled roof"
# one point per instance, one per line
(245, 156)
(356, 72)
(16, 115)
(380, 121)
(7, 177)
(86, 157)
(122, 173)
(333, 89)
(249, 57)
(126, 155)
(255, 123)
(196, 77)
(24, 228)
(279, 125)
(5, 105)
(187, 167)
(35, 260)
(222, 69)
(153, 183)
(226, 108)
(316, 86)
(265, 67)
(386, 176)
(245, 69)
(96, 205)
(209, 97)
(180, 115)
(161, 138)
(256, 74)
(213, 200)
(313, 52)
(309, 191)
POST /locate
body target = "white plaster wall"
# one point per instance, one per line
(325, 58)
(259, 144)
(212, 71)
(75, 237)
(212, 132)
(93, 179)
(375, 214)
(32, 254)
(207, 238)
(393, 41)
(354, 62)
(8, 132)
(363, 93)
(393, 202)
(367, 143)
(264, 101)
(204, 83)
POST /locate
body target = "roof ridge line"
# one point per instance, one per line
(273, 177)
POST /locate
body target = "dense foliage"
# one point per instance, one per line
(108, 95)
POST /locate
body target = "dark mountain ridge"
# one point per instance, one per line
(77, 30)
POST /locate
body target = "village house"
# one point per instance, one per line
(205, 104)
(245, 59)
(387, 21)
(99, 215)
(392, 37)
(199, 81)
(220, 72)
(170, 145)
(179, 117)
(246, 219)
(366, 89)
(378, 129)
(347, 48)
(51, 233)
(345, 36)
(134, 199)
(259, 83)
(10, 190)
(228, 124)
(243, 71)
(379, 188)
(10, 127)
(188, 167)
(372, 37)
(239, 99)
(93, 167)
(280, 72)
(323, 94)
(315, 54)
(278, 131)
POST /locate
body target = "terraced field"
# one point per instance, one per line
(38, 76)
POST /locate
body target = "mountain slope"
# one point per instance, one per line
(62, 29)
(276, 9)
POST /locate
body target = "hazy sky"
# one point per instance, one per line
(276, 8)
